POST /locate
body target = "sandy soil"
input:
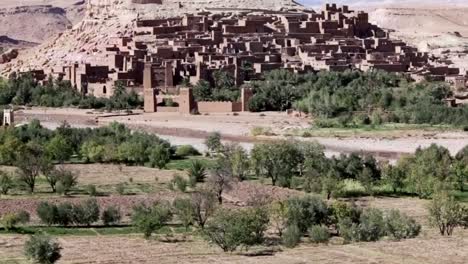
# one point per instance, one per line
(429, 248)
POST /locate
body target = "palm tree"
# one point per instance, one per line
(196, 172)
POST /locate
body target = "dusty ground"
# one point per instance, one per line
(429, 248)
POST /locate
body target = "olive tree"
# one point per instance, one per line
(237, 159)
(221, 178)
(203, 207)
(446, 213)
(149, 219)
(277, 161)
(230, 229)
(31, 162)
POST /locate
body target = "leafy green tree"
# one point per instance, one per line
(445, 213)
(213, 142)
(9, 149)
(279, 216)
(277, 161)
(307, 211)
(394, 176)
(331, 184)
(223, 79)
(428, 169)
(366, 179)
(65, 178)
(133, 152)
(42, 249)
(230, 229)
(372, 225)
(59, 149)
(238, 161)
(159, 156)
(92, 151)
(66, 181)
(459, 174)
(279, 91)
(341, 211)
(31, 164)
(149, 219)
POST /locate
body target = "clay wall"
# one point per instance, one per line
(216, 107)
(168, 109)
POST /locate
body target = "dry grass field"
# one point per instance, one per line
(428, 248)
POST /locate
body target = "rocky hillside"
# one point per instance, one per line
(440, 30)
(35, 23)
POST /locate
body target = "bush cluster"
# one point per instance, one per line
(111, 144)
(24, 90)
(343, 99)
(313, 216)
(83, 214)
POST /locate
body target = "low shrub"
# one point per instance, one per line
(6, 183)
(86, 213)
(291, 236)
(47, 212)
(64, 215)
(120, 189)
(179, 183)
(371, 226)
(41, 249)
(319, 234)
(91, 190)
(11, 220)
(111, 216)
(341, 210)
(401, 226)
(261, 131)
(186, 151)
